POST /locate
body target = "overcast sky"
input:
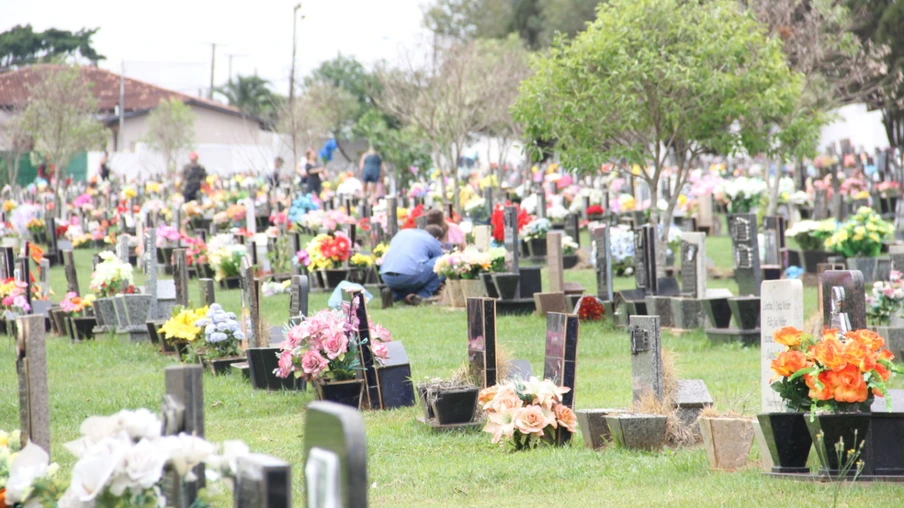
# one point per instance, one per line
(167, 42)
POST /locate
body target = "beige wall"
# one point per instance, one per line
(211, 127)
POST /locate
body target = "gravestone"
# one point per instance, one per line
(573, 227)
(781, 305)
(394, 378)
(368, 363)
(122, 248)
(646, 357)
(250, 303)
(208, 294)
(298, 296)
(376, 237)
(560, 363)
(392, 217)
(44, 278)
(180, 276)
(488, 197)
(555, 263)
(482, 340)
(746, 253)
(843, 300)
(250, 216)
(31, 367)
(71, 272)
(705, 213)
(262, 480)
(541, 203)
(820, 269)
(295, 245)
(603, 263)
(182, 410)
(899, 220)
(7, 262)
(820, 205)
(896, 254)
(335, 457)
(693, 265)
(774, 233)
(645, 259)
(510, 226)
(23, 272)
(421, 222)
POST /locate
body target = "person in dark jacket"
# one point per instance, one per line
(193, 174)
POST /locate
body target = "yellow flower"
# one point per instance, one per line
(129, 193)
(635, 169)
(182, 325)
(9, 205)
(152, 187)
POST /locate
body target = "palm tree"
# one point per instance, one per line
(252, 95)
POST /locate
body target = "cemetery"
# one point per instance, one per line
(652, 305)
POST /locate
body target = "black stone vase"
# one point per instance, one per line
(453, 406)
(788, 440)
(506, 285)
(849, 427)
(83, 328)
(348, 393)
(537, 247)
(487, 278)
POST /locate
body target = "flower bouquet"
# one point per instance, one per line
(80, 326)
(590, 308)
(861, 235)
(527, 414)
(497, 221)
(226, 261)
(379, 252)
(328, 251)
(811, 235)
(595, 211)
(37, 229)
(27, 478)
(111, 277)
(885, 300)
(222, 338)
(536, 230)
(742, 195)
(476, 209)
(325, 349)
(181, 330)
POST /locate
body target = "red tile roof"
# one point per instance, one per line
(139, 95)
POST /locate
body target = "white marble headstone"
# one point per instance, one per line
(781, 305)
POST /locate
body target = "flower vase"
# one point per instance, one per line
(473, 288)
(453, 290)
(569, 261)
(537, 247)
(348, 392)
(489, 285)
(106, 313)
(507, 285)
(218, 366)
(332, 277)
(868, 266)
(788, 440)
(453, 407)
(849, 428)
(231, 282)
(727, 441)
(82, 328)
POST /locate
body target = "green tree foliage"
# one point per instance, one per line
(350, 75)
(252, 94)
(21, 45)
(60, 117)
(882, 25)
(536, 22)
(640, 87)
(170, 131)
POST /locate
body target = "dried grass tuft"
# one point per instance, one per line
(677, 433)
(813, 325)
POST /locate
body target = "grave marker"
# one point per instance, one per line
(298, 296)
(335, 456)
(705, 212)
(482, 236)
(394, 378)
(693, 264)
(555, 262)
(262, 481)
(645, 259)
(561, 352)
(573, 227)
(208, 293)
(24, 274)
(541, 203)
(182, 410)
(646, 357)
(31, 367)
(510, 225)
(368, 364)
(488, 197)
(247, 287)
(482, 340)
(392, 217)
(122, 248)
(781, 305)
(843, 300)
(603, 263)
(896, 253)
(71, 272)
(180, 276)
(746, 253)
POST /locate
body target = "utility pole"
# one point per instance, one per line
(213, 59)
(294, 133)
(122, 104)
(230, 57)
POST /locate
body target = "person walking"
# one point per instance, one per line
(372, 171)
(104, 170)
(276, 176)
(192, 175)
(314, 172)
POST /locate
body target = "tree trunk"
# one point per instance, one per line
(442, 173)
(456, 195)
(656, 221)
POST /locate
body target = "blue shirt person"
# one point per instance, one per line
(408, 265)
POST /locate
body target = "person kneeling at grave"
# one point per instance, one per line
(408, 265)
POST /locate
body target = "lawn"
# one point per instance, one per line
(408, 465)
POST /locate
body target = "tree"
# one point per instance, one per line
(21, 45)
(509, 59)
(448, 102)
(879, 23)
(536, 22)
(15, 139)
(252, 95)
(348, 74)
(60, 117)
(639, 87)
(170, 131)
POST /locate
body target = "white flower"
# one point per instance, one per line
(475, 204)
(98, 464)
(228, 461)
(186, 452)
(142, 469)
(30, 464)
(557, 212)
(140, 423)
(529, 204)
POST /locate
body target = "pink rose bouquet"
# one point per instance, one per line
(527, 413)
(327, 346)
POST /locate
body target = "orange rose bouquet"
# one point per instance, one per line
(527, 413)
(834, 372)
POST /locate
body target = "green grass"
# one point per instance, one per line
(409, 466)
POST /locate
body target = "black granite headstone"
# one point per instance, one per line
(561, 352)
(394, 378)
(482, 339)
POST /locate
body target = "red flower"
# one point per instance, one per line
(410, 222)
(61, 230)
(591, 308)
(595, 210)
(497, 221)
